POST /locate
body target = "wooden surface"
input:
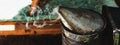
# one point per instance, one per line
(21, 30)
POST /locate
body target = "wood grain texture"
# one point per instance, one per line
(20, 29)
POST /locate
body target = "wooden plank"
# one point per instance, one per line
(21, 30)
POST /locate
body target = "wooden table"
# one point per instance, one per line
(21, 30)
(49, 35)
